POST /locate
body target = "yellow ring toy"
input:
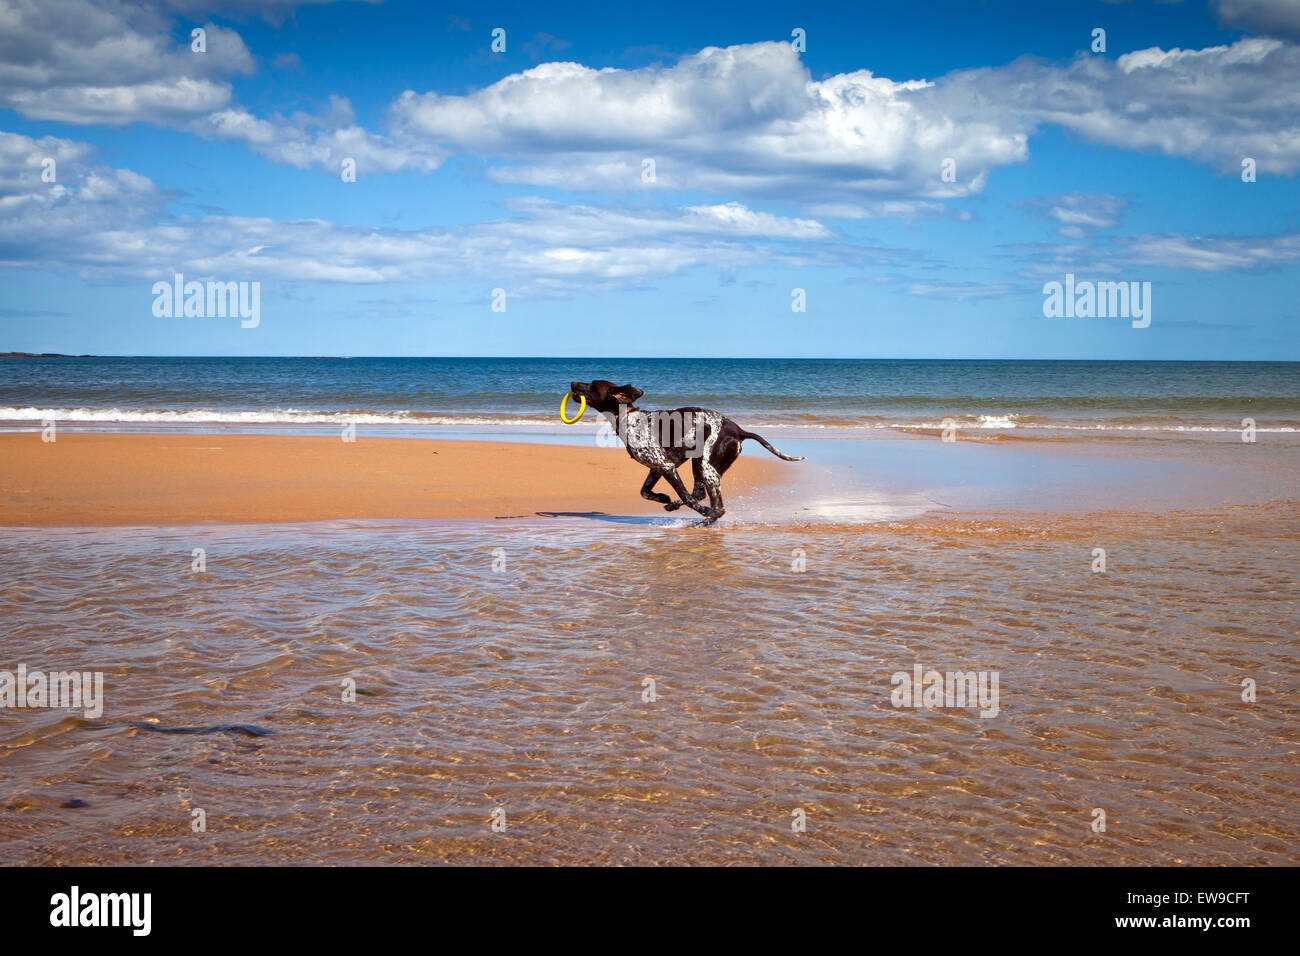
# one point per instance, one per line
(582, 408)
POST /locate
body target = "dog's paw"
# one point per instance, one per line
(672, 506)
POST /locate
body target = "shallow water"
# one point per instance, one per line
(520, 687)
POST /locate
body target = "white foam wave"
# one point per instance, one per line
(292, 416)
(286, 416)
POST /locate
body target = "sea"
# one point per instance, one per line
(851, 397)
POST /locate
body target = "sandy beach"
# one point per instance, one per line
(132, 479)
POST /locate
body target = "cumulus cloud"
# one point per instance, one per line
(1215, 106)
(745, 119)
(111, 63)
(750, 120)
(41, 221)
(742, 121)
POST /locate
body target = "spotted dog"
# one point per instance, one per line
(664, 440)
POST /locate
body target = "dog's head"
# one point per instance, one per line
(605, 396)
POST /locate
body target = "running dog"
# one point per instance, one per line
(663, 440)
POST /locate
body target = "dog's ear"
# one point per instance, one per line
(626, 394)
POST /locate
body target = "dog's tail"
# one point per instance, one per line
(763, 441)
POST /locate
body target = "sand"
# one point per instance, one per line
(97, 479)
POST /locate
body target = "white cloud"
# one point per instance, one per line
(114, 63)
(1081, 214)
(737, 219)
(39, 220)
(750, 120)
(113, 224)
(1120, 255)
(886, 208)
(117, 105)
(744, 119)
(111, 62)
(960, 291)
(1214, 106)
(1214, 253)
(307, 141)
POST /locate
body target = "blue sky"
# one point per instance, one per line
(776, 169)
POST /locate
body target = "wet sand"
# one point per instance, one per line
(501, 671)
(502, 666)
(128, 479)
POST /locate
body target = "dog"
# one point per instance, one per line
(663, 440)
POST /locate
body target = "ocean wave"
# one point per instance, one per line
(301, 417)
(1080, 426)
(280, 416)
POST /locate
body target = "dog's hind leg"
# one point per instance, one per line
(675, 480)
(700, 489)
(648, 492)
(715, 503)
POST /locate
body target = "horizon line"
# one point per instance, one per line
(644, 358)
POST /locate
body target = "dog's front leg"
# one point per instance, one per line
(648, 492)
